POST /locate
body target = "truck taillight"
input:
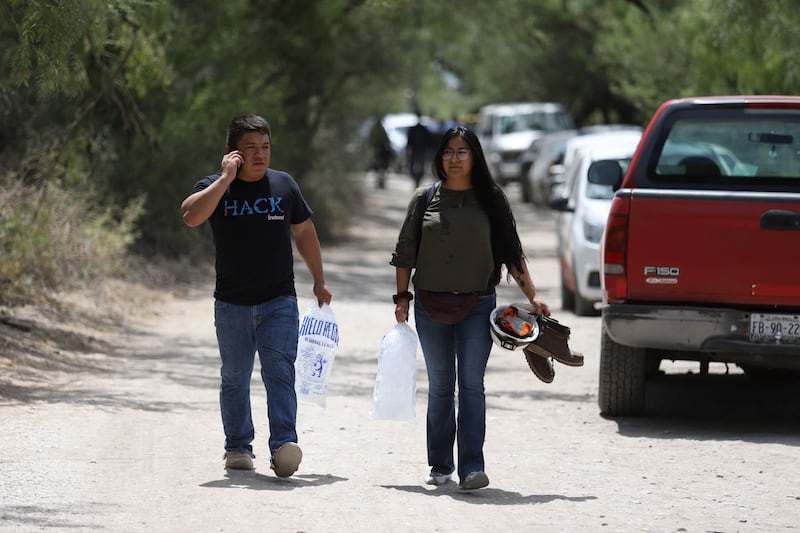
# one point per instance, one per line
(614, 256)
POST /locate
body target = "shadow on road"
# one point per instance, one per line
(248, 479)
(718, 407)
(488, 496)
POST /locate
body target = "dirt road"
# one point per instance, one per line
(120, 431)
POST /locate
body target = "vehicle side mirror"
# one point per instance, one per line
(606, 172)
(559, 199)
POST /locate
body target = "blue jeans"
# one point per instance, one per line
(458, 352)
(271, 329)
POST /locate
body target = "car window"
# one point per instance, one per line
(512, 124)
(755, 145)
(549, 121)
(534, 121)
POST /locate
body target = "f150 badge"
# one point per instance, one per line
(662, 275)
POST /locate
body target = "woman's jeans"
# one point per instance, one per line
(460, 352)
(269, 328)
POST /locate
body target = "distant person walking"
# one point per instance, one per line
(254, 211)
(382, 153)
(452, 122)
(417, 147)
(456, 239)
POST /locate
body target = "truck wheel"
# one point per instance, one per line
(622, 378)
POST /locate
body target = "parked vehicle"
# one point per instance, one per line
(583, 209)
(507, 131)
(547, 164)
(700, 254)
(576, 144)
(547, 169)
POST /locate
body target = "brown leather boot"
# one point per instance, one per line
(542, 367)
(552, 342)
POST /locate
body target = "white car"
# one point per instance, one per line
(507, 131)
(583, 209)
(611, 137)
(547, 155)
(547, 164)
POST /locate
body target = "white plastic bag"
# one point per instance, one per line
(396, 382)
(316, 350)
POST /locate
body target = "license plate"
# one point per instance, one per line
(775, 329)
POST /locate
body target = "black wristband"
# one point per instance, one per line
(404, 294)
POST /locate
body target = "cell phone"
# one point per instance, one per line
(239, 168)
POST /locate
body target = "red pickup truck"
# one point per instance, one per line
(700, 258)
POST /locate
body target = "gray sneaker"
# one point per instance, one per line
(238, 461)
(286, 459)
(475, 480)
(436, 478)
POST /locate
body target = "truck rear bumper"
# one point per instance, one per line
(708, 330)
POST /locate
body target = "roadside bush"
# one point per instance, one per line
(53, 238)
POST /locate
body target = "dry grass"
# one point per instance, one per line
(76, 330)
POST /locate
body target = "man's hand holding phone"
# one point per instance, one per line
(231, 163)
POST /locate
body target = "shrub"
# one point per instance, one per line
(53, 238)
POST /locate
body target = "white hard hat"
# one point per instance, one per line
(512, 326)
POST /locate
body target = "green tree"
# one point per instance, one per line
(706, 47)
(748, 48)
(73, 73)
(116, 107)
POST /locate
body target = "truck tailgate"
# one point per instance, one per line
(687, 246)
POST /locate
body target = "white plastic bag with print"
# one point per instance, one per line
(317, 342)
(396, 382)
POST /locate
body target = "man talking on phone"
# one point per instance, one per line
(254, 212)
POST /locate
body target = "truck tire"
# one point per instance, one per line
(622, 378)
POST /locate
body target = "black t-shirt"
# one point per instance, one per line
(253, 239)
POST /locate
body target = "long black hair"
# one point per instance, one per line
(506, 246)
